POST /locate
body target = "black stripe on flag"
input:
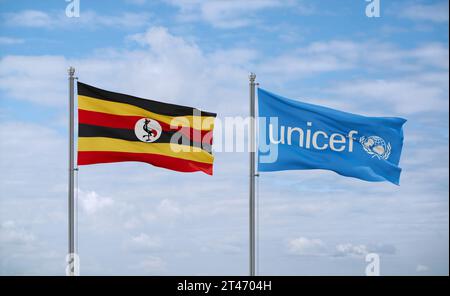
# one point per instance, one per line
(87, 130)
(150, 105)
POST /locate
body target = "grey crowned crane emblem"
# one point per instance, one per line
(147, 130)
(151, 132)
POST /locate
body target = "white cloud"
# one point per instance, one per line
(20, 164)
(167, 59)
(91, 202)
(46, 78)
(225, 13)
(152, 264)
(422, 268)
(294, 65)
(87, 19)
(342, 55)
(316, 247)
(164, 62)
(162, 42)
(227, 245)
(422, 93)
(418, 80)
(306, 246)
(351, 250)
(315, 58)
(233, 14)
(10, 40)
(136, 2)
(11, 233)
(29, 18)
(22, 253)
(431, 54)
(388, 249)
(168, 208)
(125, 20)
(436, 12)
(145, 242)
(166, 66)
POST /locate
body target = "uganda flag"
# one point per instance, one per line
(114, 127)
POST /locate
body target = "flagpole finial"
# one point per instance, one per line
(71, 71)
(252, 77)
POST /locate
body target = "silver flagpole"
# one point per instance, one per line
(71, 205)
(252, 232)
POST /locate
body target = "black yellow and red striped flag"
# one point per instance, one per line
(115, 127)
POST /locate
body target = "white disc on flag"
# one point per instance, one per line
(147, 130)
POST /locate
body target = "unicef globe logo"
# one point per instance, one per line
(376, 147)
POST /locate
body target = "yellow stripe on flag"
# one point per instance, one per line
(97, 105)
(167, 149)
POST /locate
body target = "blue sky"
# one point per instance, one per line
(138, 219)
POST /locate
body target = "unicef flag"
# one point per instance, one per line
(299, 136)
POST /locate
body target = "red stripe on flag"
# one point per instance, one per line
(171, 163)
(108, 120)
(128, 122)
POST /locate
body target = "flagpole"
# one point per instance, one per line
(71, 201)
(252, 232)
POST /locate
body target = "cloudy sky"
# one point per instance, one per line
(138, 219)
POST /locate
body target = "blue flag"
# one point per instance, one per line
(299, 136)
